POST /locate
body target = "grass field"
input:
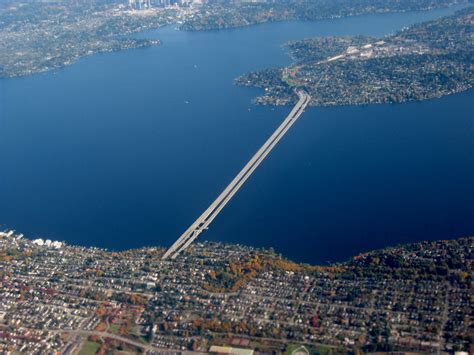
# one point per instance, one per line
(114, 328)
(89, 348)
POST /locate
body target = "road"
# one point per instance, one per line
(208, 216)
(87, 333)
(146, 347)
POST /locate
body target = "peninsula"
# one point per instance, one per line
(425, 61)
(38, 36)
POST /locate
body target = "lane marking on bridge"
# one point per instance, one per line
(213, 210)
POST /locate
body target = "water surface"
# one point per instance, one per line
(126, 149)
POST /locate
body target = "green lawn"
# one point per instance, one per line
(89, 348)
(114, 328)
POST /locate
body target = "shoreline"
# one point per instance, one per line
(216, 293)
(178, 26)
(49, 244)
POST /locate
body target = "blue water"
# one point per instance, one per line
(126, 149)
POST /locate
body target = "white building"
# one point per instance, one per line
(139, 4)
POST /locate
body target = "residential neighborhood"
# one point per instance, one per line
(57, 297)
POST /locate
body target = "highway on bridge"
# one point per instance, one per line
(208, 216)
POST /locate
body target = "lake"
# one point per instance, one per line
(126, 149)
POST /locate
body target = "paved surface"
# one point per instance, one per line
(208, 216)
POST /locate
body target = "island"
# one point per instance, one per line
(60, 298)
(424, 61)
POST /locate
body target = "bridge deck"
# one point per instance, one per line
(213, 210)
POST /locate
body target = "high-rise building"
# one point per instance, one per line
(139, 4)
